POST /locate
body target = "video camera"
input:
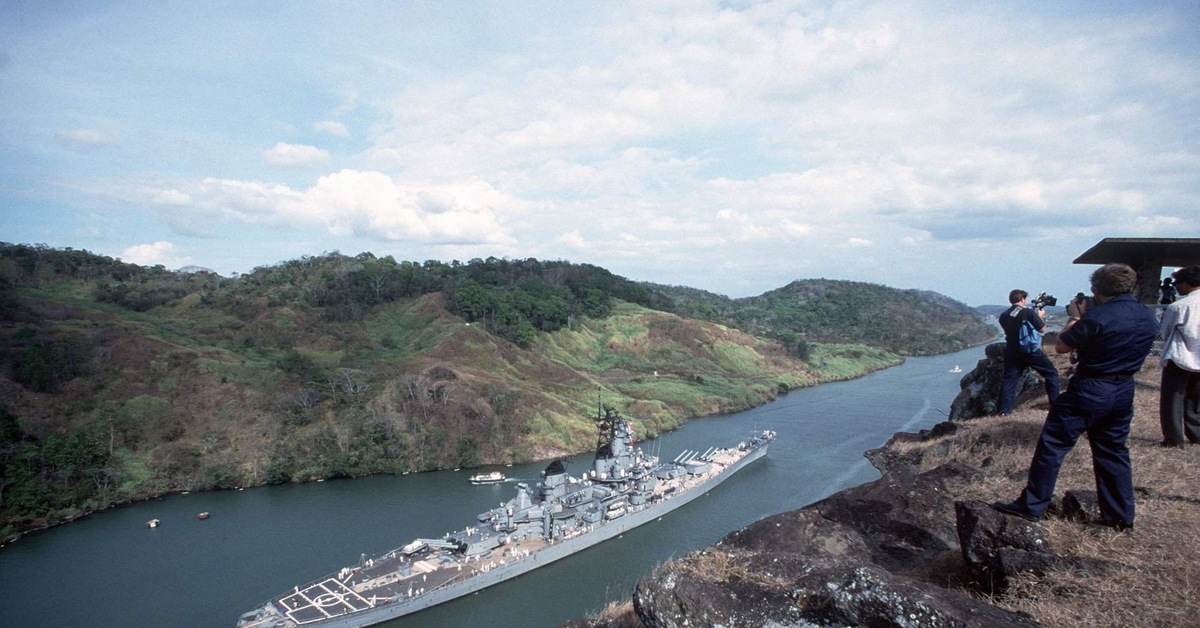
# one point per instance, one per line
(1044, 300)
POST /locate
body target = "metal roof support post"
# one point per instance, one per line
(1149, 270)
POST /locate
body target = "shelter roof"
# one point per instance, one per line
(1167, 251)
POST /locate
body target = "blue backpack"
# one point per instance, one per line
(1030, 339)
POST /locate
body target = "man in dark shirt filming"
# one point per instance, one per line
(1112, 340)
(1017, 358)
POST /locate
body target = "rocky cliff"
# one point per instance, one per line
(918, 547)
(981, 386)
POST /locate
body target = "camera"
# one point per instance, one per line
(1044, 300)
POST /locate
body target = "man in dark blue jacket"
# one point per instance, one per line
(1018, 358)
(1112, 340)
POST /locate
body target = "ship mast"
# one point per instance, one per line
(606, 428)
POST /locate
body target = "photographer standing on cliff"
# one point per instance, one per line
(1113, 339)
(1017, 357)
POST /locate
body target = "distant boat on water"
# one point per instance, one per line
(494, 477)
(956, 369)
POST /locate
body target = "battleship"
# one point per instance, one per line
(555, 518)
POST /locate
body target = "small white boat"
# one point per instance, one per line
(956, 369)
(487, 478)
(153, 523)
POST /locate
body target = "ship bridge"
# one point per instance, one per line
(615, 456)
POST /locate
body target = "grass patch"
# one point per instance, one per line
(401, 330)
(836, 362)
(260, 375)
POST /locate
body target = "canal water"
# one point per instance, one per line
(110, 570)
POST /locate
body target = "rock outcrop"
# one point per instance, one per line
(879, 554)
(980, 387)
(996, 547)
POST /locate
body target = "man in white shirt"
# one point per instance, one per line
(1179, 403)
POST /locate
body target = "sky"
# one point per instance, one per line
(965, 148)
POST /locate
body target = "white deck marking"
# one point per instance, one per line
(327, 594)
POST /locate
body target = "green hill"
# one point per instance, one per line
(120, 382)
(908, 322)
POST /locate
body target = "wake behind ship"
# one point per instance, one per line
(553, 519)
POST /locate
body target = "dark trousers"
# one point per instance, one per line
(1179, 405)
(1102, 408)
(1015, 363)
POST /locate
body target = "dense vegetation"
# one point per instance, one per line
(121, 382)
(908, 322)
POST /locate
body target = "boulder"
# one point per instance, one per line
(907, 521)
(774, 589)
(887, 459)
(979, 391)
(804, 532)
(675, 596)
(1080, 506)
(870, 596)
(997, 546)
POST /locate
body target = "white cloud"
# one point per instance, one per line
(743, 226)
(573, 239)
(171, 198)
(795, 229)
(332, 127)
(159, 253)
(284, 154)
(371, 204)
(563, 126)
(85, 139)
(368, 205)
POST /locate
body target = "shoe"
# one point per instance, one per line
(1108, 527)
(1012, 508)
(1167, 445)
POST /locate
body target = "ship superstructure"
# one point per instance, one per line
(554, 518)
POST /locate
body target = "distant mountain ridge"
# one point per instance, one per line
(909, 322)
(121, 382)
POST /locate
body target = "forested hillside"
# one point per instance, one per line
(120, 382)
(908, 322)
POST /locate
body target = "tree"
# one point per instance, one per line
(472, 301)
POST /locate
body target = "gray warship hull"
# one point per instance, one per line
(398, 584)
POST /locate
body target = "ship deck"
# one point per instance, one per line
(322, 600)
(381, 581)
